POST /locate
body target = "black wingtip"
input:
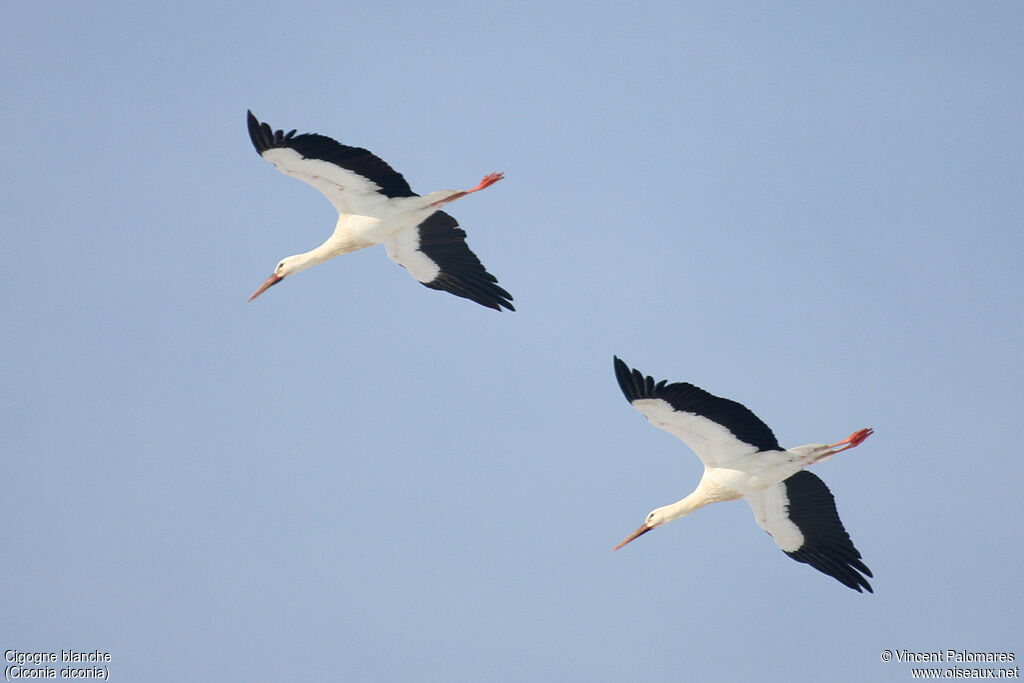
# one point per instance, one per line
(461, 273)
(264, 137)
(254, 133)
(498, 305)
(498, 300)
(826, 546)
(621, 370)
(630, 381)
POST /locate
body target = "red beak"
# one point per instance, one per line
(271, 281)
(636, 534)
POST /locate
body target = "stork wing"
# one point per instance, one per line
(351, 177)
(718, 430)
(435, 253)
(800, 514)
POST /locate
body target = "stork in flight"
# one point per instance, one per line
(742, 459)
(376, 205)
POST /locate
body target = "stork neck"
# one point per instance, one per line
(328, 250)
(300, 262)
(707, 492)
(325, 251)
(683, 507)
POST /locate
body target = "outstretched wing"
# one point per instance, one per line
(717, 429)
(800, 514)
(352, 178)
(435, 253)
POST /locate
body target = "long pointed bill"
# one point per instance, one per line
(636, 534)
(271, 281)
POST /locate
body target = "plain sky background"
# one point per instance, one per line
(815, 209)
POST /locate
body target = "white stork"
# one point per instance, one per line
(742, 459)
(376, 205)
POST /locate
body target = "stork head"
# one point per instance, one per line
(655, 518)
(286, 267)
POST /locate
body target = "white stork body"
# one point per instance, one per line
(376, 206)
(742, 459)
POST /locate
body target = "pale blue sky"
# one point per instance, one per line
(814, 210)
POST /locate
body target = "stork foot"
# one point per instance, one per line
(487, 181)
(854, 440)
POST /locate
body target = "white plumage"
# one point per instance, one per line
(376, 206)
(742, 459)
